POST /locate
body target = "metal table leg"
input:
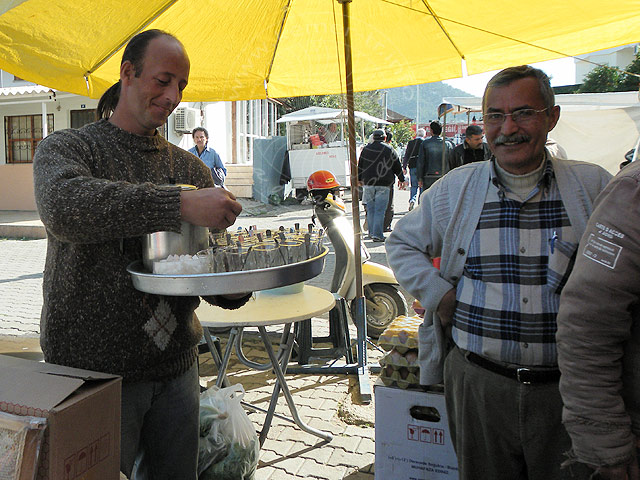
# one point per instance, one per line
(281, 383)
(214, 350)
(222, 369)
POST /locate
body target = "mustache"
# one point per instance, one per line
(515, 138)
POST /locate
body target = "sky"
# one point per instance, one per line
(562, 72)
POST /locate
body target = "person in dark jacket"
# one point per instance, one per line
(377, 167)
(431, 164)
(410, 161)
(388, 213)
(473, 149)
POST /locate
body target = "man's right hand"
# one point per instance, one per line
(447, 307)
(209, 207)
(621, 472)
(631, 471)
(420, 184)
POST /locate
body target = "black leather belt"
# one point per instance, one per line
(523, 375)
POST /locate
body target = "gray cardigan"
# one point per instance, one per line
(443, 226)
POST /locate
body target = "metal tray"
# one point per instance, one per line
(225, 283)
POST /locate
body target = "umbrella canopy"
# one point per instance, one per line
(249, 49)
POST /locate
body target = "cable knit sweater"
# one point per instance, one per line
(97, 191)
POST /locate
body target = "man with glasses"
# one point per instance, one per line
(506, 230)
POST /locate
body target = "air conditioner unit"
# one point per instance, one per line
(185, 119)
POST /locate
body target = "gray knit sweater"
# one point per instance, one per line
(97, 191)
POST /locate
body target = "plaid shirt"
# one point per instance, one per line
(508, 296)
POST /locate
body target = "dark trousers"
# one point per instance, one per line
(503, 429)
(388, 214)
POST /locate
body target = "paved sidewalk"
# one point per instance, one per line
(326, 402)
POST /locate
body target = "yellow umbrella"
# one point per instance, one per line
(249, 49)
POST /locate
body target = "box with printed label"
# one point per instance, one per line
(82, 408)
(412, 435)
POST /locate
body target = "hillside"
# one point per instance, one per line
(404, 99)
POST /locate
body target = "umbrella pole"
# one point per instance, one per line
(359, 301)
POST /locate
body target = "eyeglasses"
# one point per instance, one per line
(521, 117)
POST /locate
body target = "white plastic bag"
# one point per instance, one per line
(229, 446)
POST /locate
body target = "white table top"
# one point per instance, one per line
(269, 309)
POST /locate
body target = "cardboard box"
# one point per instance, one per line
(82, 438)
(412, 435)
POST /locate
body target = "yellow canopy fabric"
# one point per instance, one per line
(249, 49)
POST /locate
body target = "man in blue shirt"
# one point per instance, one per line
(208, 155)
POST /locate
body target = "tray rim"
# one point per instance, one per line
(193, 284)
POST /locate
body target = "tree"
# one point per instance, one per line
(402, 133)
(368, 102)
(609, 79)
(601, 79)
(628, 82)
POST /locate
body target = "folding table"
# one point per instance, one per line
(266, 308)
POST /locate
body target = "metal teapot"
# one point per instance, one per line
(159, 245)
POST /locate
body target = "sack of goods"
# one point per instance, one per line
(229, 446)
(400, 365)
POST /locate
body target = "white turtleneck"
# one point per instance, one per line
(520, 185)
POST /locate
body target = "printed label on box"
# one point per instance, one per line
(409, 447)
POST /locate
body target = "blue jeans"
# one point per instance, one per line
(376, 198)
(160, 428)
(413, 175)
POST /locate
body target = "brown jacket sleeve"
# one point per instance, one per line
(598, 339)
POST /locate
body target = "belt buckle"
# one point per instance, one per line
(520, 371)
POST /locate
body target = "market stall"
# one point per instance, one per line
(317, 140)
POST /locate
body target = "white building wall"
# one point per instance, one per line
(217, 121)
(614, 57)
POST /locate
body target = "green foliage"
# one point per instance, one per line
(600, 79)
(402, 133)
(368, 102)
(609, 79)
(628, 82)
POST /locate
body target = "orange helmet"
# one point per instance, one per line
(322, 180)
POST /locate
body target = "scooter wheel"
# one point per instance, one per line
(383, 304)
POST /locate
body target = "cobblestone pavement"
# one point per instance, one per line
(327, 402)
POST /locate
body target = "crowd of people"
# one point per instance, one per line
(529, 319)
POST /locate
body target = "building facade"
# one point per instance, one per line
(233, 127)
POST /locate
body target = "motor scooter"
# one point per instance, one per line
(384, 301)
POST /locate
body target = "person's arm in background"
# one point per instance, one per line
(598, 343)
(407, 155)
(217, 162)
(457, 156)
(421, 163)
(396, 167)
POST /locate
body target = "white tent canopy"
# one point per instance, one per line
(323, 113)
(594, 127)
